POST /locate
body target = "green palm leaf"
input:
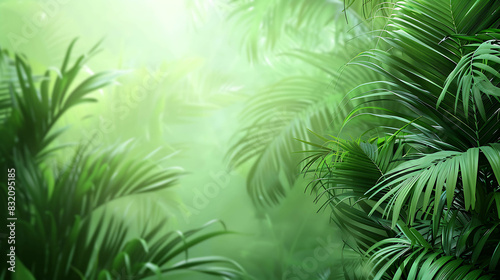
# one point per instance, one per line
(476, 74)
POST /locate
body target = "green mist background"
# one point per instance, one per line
(190, 67)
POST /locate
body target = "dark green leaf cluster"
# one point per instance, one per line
(423, 200)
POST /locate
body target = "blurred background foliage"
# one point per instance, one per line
(208, 117)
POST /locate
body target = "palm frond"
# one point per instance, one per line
(476, 73)
(412, 183)
(296, 103)
(288, 110)
(419, 63)
(455, 255)
(38, 106)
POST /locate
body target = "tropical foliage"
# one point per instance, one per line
(65, 230)
(390, 111)
(418, 194)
